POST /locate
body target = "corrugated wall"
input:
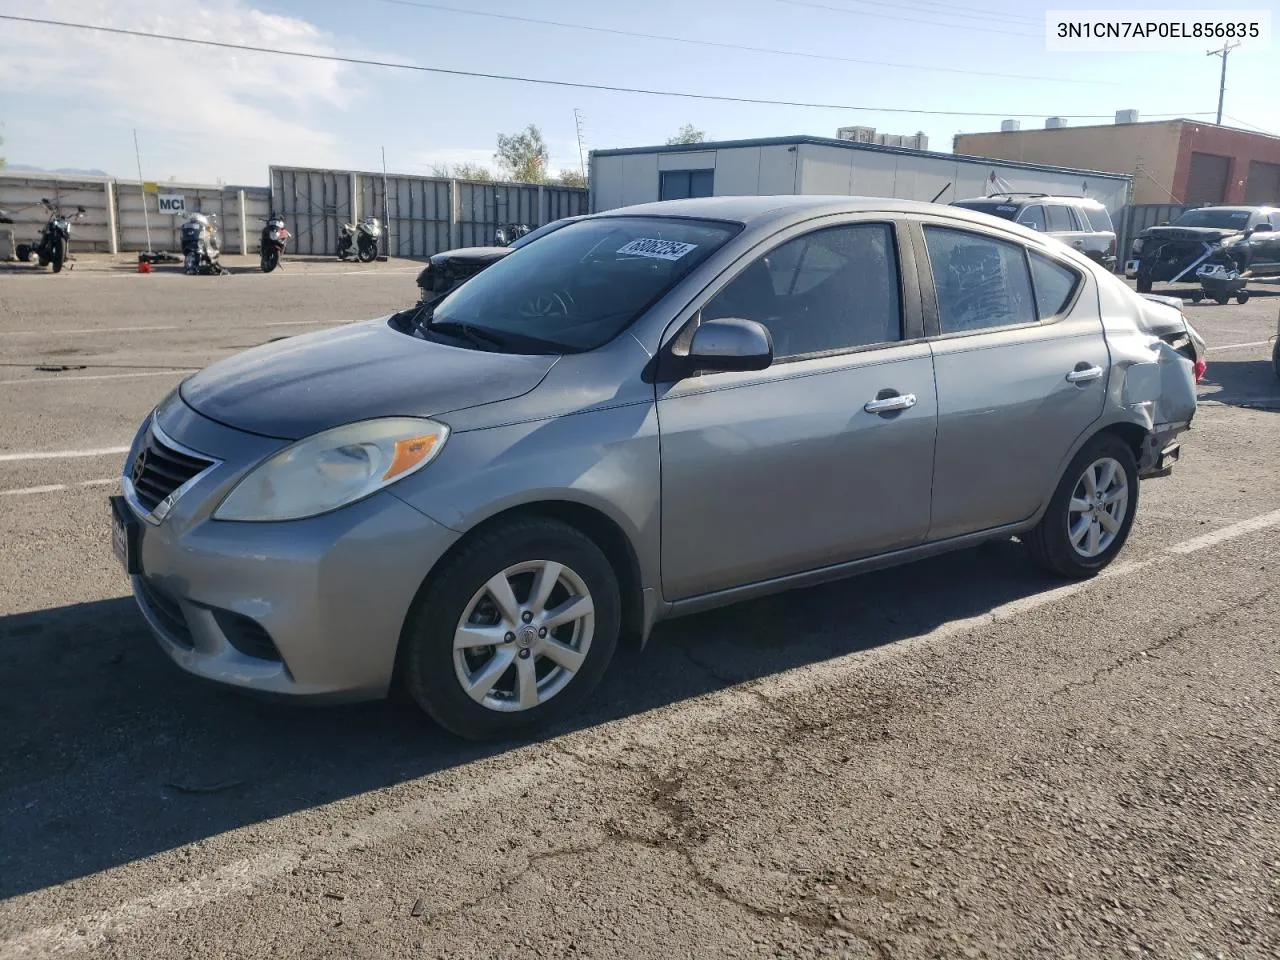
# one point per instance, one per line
(115, 206)
(423, 215)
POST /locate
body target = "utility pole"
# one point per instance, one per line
(577, 122)
(142, 190)
(1222, 86)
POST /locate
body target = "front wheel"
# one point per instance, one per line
(513, 632)
(368, 253)
(1242, 296)
(59, 254)
(1089, 518)
(270, 259)
(191, 264)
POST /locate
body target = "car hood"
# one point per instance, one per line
(471, 255)
(302, 385)
(1202, 234)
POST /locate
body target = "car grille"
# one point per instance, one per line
(166, 611)
(159, 469)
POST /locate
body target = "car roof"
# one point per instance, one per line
(754, 211)
(1024, 198)
(1234, 209)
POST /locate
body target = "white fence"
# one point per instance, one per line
(114, 221)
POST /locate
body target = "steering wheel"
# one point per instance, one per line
(553, 304)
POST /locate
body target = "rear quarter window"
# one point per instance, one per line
(1097, 219)
(1055, 285)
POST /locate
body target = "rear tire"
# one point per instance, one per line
(455, 599)
(1242, 296)
(1144, 286)
(1051, 542)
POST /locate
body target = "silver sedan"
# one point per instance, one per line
(644, 414)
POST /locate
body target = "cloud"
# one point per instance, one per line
(236, 105)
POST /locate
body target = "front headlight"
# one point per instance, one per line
(334, 468)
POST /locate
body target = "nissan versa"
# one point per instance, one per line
(643, 414)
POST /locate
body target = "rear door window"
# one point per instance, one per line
(1060, 220)
(980, 282)
(1033, 217)
(1055, 285)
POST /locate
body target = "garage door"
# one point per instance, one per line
(1263, 185)
(1207, 179)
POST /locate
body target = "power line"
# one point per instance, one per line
(607, 88)
(889, 16)
(1252, 126)
(721, 45)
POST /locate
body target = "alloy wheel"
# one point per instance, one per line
(1097, 509)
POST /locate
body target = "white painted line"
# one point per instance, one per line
(98, 331)
(62, 454)
(1239, 346)
(509, 776)
(104, 376)
(58, 487)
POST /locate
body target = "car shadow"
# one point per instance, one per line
(1252, 384)
(111, 754)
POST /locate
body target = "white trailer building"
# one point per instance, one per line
(817, 165)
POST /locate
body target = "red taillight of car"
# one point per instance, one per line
(1201, 367)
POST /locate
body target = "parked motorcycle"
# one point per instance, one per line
(363, 236)
(200, 253)
(51, 249)
(508, 233)
(274, 236)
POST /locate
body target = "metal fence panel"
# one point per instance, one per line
(314, 204)
(20, 195)
(221, 203)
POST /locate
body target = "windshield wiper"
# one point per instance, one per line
(476, 336)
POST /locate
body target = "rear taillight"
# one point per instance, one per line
(1201, 367)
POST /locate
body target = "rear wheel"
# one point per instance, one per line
(1089, 518)
(1144, 286)
(1242, 296)
(513, 632)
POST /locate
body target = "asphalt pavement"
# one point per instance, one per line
(958, 758)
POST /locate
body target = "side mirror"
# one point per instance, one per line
(730, 344)
(1262, 227)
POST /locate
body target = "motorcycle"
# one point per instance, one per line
(200, 251)
(274, 236)
(506, 235)
(51, 249)
(363, 236)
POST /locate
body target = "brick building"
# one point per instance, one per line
(1172, 161)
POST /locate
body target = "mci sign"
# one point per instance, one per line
(174, 203)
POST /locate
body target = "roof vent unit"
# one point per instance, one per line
(1126, 116)
(1055, 123)
(1009, 126)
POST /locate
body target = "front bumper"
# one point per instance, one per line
(329, 593)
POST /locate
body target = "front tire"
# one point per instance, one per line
(59, 255)
(1091, 513)
(270, 260)
(368, 253)
(513, 632)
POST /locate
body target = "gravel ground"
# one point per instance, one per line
(960, 758)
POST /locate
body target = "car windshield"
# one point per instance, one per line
(995, 208)
(542, 231)
(1214, 217)
(579, 287)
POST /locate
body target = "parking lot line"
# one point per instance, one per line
(62, 454)
(57, 487)
(84, 331)
(1239, 346)
(507, 778)
(103, 376)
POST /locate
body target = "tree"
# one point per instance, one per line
(688, 134)
(523, 156)
(571, 178)
(462, 171)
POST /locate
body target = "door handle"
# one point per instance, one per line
(902, 401)
(1084, 374)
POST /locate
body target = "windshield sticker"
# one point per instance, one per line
(1007, 208)
(656, 249)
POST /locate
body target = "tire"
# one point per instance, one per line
(1196, 297)
(1050, 542)
(1242, 297)
(23, 253)
(368, 254)
(270, 260)
(1275, 357)
(1222, 299)
(190, 264)
(59, 255)
(457, 596)
(1144, 286)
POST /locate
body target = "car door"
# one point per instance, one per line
(1265, 241)
(826, 455)
(1021, 364)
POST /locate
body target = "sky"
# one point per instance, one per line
(72, 99)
